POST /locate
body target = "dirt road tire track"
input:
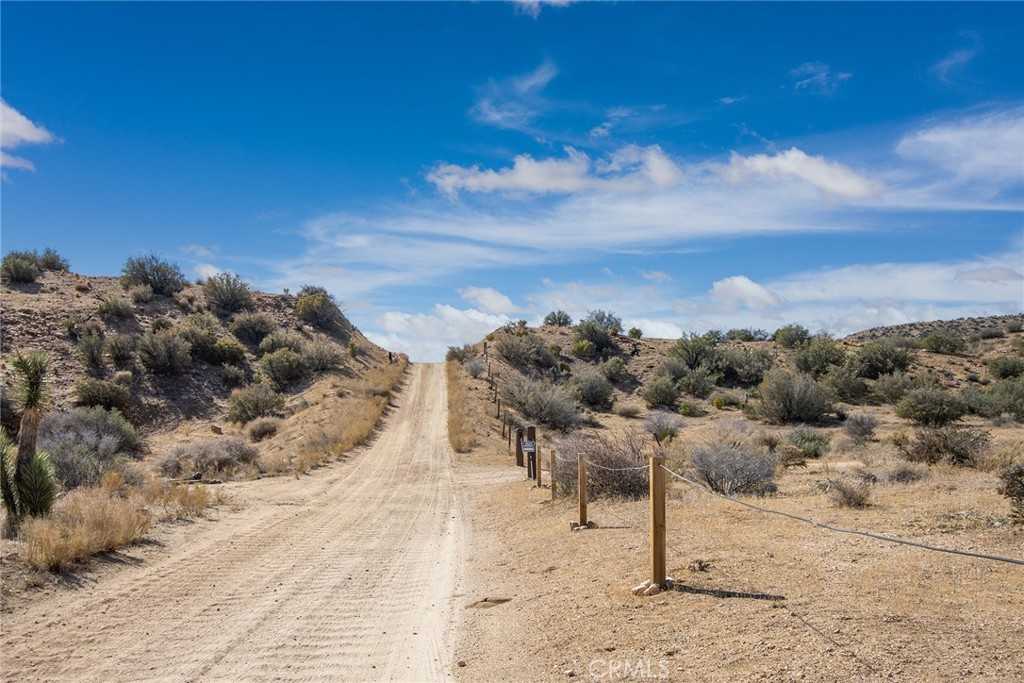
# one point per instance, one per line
(347, 574)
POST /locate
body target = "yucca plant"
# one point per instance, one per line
(29, 487)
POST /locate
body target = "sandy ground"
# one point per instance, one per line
(347, 574)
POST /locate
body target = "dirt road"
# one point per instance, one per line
(347, 574)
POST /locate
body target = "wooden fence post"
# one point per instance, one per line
(499, 408)
(537, 463)
(581, 487)
(519, 446)
(551, 471)
(509, 434)
(531, 454)
(657, 518)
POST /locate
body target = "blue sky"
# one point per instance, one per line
(444, 168)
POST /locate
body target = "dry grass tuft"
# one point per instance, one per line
(460, 430)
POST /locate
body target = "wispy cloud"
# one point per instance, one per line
(514, 103)
(534, 7)
(952, 63)
(731, 100)
(818, 77)
(16, 130)
(488, 299)
(829, 176)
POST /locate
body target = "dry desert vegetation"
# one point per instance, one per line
(206, 482)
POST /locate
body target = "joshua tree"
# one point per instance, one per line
(28, 486)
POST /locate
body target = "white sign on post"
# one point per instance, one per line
(529, 446)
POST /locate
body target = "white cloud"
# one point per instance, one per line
(946, 67)
(514, 103)
(490, 300)
(817, 76)
(741, 291)
(828, 176)
(731, 100)
(199, 251)
(533, 7)
(655, 275)
(1000, 274)
(426, 336)
(986, 147)
(206, 270)
(16, 129)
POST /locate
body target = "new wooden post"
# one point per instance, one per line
(519, 446)
(657, 518)
(581, 486)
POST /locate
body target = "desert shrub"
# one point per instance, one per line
(227, 293)
(543, 401)
(19, 267)
(698, 381)
(116, 307)
(1006, 367)
(252, 327)
(606, 320)
(163, 278)
(98, 392)
(229, 351)
(315, 306)
(614, 454)
(282, 339)
(615, 369)
(583, 348)
(1014, 326)
(746, 335)
(200, 331)
(905, 473)
(257, 400)
(732, 468)
(593, 389)
(860, 427)
(90, 349)
(209, 457)
(810, 443)
(164, 353)
(1005, 397)
(283, 367)
(263, 428)
(661, 392)
(723, 400)
(931, 406)
(791, 336)
(525, 351)
(849, 492)
(792, 397)
(161, 325)
(321, 356)
(742, 366)
(820, 353)
(87, 522)
(845, 383)
(952, 444)
(628, 410)
(474, 367)
(232, 375)
(662, 425)
(691, 409)
(50, 259)
(459, 353)
(635, 333)
(893, 387)
(943, 341)
(85, 442)
(991, 333)
(29, 487)
(696, 350)
(881, 357)
(558, 319)
(121, 349)
(124, 378)
(353, 350)
(673, 368)
(1011, 485)
(140, 294)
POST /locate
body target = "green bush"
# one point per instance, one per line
(1005, 397)
(662, 425)
(952, 444)
(232, 375)
(36, 489)
(252, 328)
(696, 350)
(164, 278)
(881, 357)
(635, 333)
(1014, 326)
(1011, 485)
(322, 356)
(698, 382)
(891, 388)
(140, 294)
(742, 366)
(85, 442)
(525, 351)
(615, 369)
(282, 339)
(263, 428)
(943, 341)
(746, 335)
(121, 349)
(227, 293)
(251, 402)
(810, 443)
(124, 378)
(51, 260)
(90, 348)
(116, 307)
(543, 401)
(820, 353)
(161, 325)
(991, 333)
(931, 406)
(283, 367)
(600, 339)
(791, 336)
(19, 267)
(661, 392)
(228, 351)
(845, 383)
(606, 320)
(593, 389)
(792, 397)
(723, 400)
(691, 409)
(1006, 367)
(558, 319)
(860, 427)
(97, 392)
(459, 354)
(315, 306)
(583, 348)
(164, 353)
(200, 331)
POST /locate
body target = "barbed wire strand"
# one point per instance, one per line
(842, 530)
